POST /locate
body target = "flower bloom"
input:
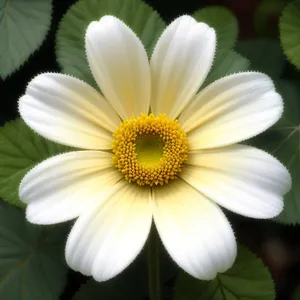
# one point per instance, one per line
(154, 148)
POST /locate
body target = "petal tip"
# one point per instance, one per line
(110, 18)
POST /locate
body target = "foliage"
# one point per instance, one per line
(32, 264)
(20, 150)
(247, 279)
(23, 27)
(290, 32)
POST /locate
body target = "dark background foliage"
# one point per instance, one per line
(277, 245)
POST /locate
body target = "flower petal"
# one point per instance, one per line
(119, 63)
(230, 110)
(62, 187)
(194, 230)
(243, 179)
(68, 111)
(180, 62)
(106, 240)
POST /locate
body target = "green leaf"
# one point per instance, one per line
(223, 21)
(23, 27)
(227, 62)
(20, 150)
(248, 279)
(70, 52)
(32, 263)
(265, 55)
(282, 141)
(290, 32)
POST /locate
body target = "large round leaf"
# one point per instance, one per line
(20, 150)
(70, 50)
(23, 26)
(290, 32)
(248, 279)
(32, 263)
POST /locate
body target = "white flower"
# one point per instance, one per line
(153, 148)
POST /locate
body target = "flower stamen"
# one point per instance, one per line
(150, 150)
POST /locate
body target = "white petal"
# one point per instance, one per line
(231, 110)
(119, 63)
(106, 240)
(180, 62)
(62, 187)
(243, 179)
(194, 230)
(68, 111)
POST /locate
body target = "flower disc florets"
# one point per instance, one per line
(150, 150)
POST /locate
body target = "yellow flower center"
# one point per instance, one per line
(150, 150)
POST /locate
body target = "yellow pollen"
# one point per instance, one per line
(150, 150)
